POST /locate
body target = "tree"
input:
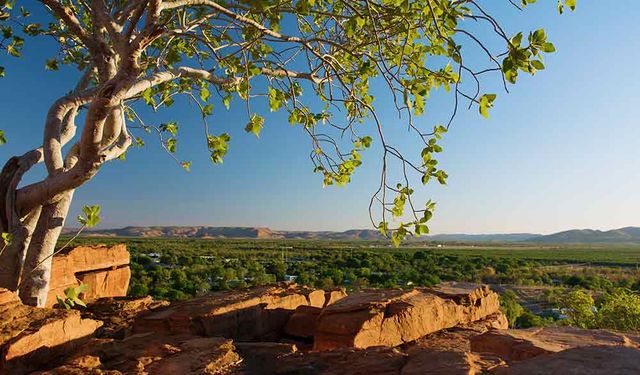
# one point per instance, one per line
(146, 52)
(579, 307)
(619, 310)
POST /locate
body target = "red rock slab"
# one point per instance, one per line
(255, 313)
(152, 354)
(450, 363)
(392, 317)
(520, 344)
(31, 337)
(303, 322)
(105, 270)
(586, 360)
(345, 361)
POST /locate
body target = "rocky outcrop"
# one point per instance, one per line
(257, 313)
(449, 363)
(303, 322)
(393, 317)
(153, 355)
(208, 336)
(105, 271)
(32, 337)
(520, 344)
(118, 314)
(587, 360)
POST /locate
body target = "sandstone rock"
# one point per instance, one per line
(393, 317)
(333, 296)
(85, 365)
(104, 269)
(453, 339)
(31, 337)
(494, 321)
(256, 313)
(303, 322)
(263, 357)
(450, 363)
(118, 314)
(479, 299)
(516, 345)
(589, 360)
(381, 361)
(344, 361)
(152, 354)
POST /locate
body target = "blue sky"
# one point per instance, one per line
(560, 151)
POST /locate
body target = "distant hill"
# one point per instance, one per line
(629, 235)
(266, 233)
(230, 232)
(508, 237)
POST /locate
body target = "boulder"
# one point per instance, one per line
(497, 320)
(343, 361)
(586, 360)
(262, 357)
(118, 314)
(302, 323)
(381, 361)
(479, 300)
(105, 270)
(392, 317)
(245, 315)
(32, 337)
(152, 354)
(333, 296)
(520, 344)
(450, 363)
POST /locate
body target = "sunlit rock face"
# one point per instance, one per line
(393, 317)
(105, 270)
(451, 329)
(31, 337)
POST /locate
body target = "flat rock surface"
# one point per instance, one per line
(392, 317)
(519, 344)
(152, 354)
(104, 269)
(31, 337)
(249, 314)
(588, 360)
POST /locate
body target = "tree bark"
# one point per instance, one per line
(13, 257)
(36, 273)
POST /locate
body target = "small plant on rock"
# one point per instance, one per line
(72, 297)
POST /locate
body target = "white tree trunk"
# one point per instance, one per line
(13, 257)
(36, 272)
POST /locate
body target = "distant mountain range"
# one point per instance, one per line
(629, 235)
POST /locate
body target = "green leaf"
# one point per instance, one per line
(171, 145)
(571, 4)
(7, 238)
(51, 64)
(486, 102)
(548, 47)
(91, 216)
(171, 127)
(227, 101)
(204, 94)
(3, 139)
(537, 64)
(207, 110)
(186, 165)
(255, 125)
(421, 229)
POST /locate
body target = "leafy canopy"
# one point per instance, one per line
(335, 51)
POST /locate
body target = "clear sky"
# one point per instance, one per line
(561, 151)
